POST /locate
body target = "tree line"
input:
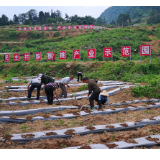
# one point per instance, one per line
(34, 18)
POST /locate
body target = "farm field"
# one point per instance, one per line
(131, 120)
(54, 122)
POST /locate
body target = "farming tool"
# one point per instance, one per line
(58, 103)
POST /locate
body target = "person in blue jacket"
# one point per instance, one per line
(103, 98)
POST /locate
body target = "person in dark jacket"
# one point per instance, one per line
(79, 74)
(49, 88)
(92, 86)
(46, 79)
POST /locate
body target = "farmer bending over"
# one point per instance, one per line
(34, 83)
(92, 86)
(62, 84)
(49, 88)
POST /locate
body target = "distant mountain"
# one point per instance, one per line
(112, 13)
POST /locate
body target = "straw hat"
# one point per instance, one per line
(104, 93)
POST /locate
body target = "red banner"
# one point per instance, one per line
(16, 57)
(37, 56)
(24, 28)
(50, 27)
(126, 51)
(45, 28)
(35, 28)
(69, 27)
(64, 27)
(92, 53)
(107, 52)
(85, 26)
(62, 55)
(6, 58)
(76, 54)
(26, 56)
(58, 27)
(74, 27)
(49, 56)
(80, 27)
(19, 28)
(91, 26)
(30, 28)
(145, 50)
(39, 28)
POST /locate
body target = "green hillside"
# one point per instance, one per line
(98, 39)
(112, 13)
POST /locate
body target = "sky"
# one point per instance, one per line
(81, 11)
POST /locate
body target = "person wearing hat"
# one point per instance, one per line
(92, 86)
(103, 97)
(45, 79)
(49, 88)
(34, 83)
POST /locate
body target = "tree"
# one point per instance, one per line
(67, 17)
(50, 20)
(46, 15)
(41, 17)
(15, 19)
(26, 22)
(100, 21)
(60, 19)
(4, 20)
(53, 15)
(154, 17)
(30, 17)
(122, 19)
(21, 17)
(113, 22)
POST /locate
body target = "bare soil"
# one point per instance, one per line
(89, 121)
(77, 140)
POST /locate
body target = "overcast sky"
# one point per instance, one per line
(81, 11)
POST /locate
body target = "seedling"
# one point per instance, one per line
(60, 122)
(72, 95)
(47, 124)
(90, 124)
(47, 112)
(9, 130)
(24, 128)
(112, 136)
(62, 145)
(89, 141)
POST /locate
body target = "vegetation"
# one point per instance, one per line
(33, 18)
(137, 14)
(38, 42)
